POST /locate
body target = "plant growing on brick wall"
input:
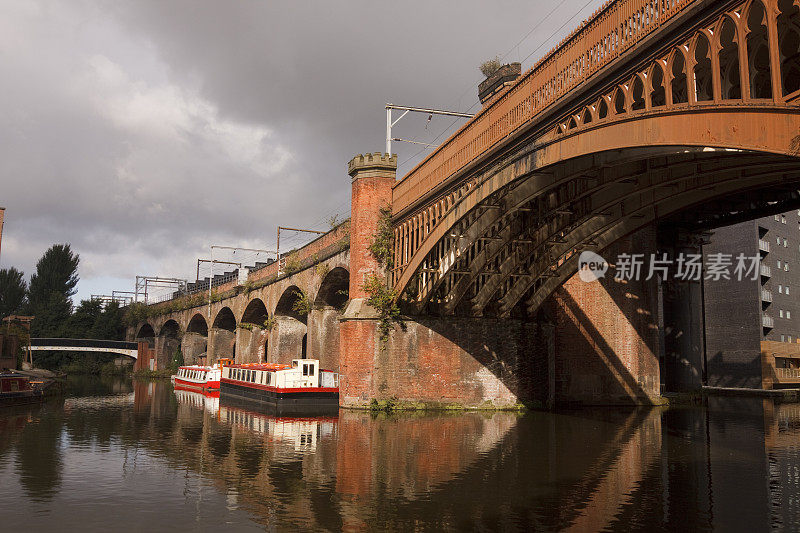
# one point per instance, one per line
(269, 323)
(246, 325)
(382, 241)
(322, 270)
(344, 241)
(381, 298)
(303, 305)
(136, 312)
(490, 66)
(292, 263)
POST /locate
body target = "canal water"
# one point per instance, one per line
(121, 456)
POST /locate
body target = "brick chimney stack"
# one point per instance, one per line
(503, 78)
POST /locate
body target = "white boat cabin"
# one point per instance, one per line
(302, 373)
(198, 374)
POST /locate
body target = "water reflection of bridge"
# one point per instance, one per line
(728, 467)
(357, 462)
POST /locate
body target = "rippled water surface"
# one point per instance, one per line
(116, 456)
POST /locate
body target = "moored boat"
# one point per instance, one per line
(18, 389)
(198, 377)
(301, 384)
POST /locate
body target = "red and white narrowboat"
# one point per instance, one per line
(303, 383)
(198, 377)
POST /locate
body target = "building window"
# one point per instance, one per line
(786, 267)
(778, 241)
(783, 339)
(776, 218)
(789, 338)
(780, 289)
(780, 313)
(788, 314)
(787, 289)
(779, 264)
(783, 219)
(785, 244)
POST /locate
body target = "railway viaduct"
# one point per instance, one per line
(653, 122)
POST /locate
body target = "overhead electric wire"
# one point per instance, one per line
(541, 44)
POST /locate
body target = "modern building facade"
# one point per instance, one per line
(752, 325)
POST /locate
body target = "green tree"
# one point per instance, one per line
(49, 294)
(12, 291)
(109, 324)
(80, 324)
(56, 271)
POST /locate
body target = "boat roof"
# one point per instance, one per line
(260, 366)
(198, 367)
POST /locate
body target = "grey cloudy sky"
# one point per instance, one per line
(143, 132)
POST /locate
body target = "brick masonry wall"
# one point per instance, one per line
(371, 191)
(607, 336)
(470, 362)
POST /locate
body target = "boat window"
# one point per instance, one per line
(310, 370)
(305, 370)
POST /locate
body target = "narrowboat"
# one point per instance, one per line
(18, 389)
(197, 377)
(303, 384)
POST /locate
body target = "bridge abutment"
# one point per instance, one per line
(683, 320)
(447, 361)
(221, 344)
(607, 336)
(193, 345)
(323, 337)
(252, 345)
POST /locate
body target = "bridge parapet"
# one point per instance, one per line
(722, 77)
(611, 31)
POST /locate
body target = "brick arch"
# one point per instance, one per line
(285, 305)
(225, 319)
(170, 328)
(194, 344)
(255, 312)
(334, 288)
(197, 324)
(289, 336)
(145, 331)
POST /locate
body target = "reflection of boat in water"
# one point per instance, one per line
(302, 432)
(206, 400)
(198, 377)
(301, 386)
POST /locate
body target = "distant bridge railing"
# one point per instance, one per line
(130, 349)
(612, 30)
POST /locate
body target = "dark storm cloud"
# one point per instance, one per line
(142, 132)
